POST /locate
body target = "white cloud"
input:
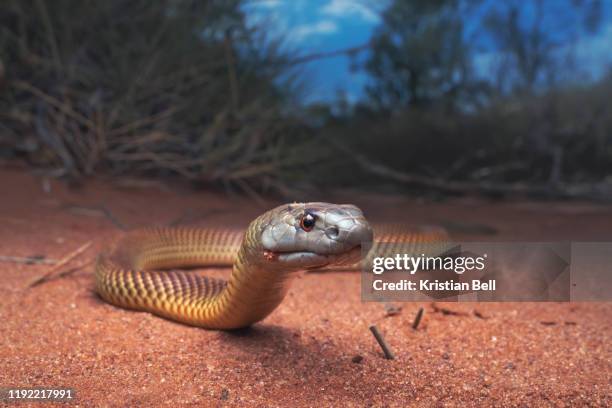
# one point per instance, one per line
(344, 8)
(323, 27)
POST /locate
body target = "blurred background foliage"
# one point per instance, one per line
(149, 88)
(187, 88)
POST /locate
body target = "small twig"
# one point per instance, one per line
(28, 260)
(61, 263)
(70, 271)
(63, 274)
(132, 126)
(445, 311)
(383, 344)
(418, 318)
(114, 220)
(100, 211)
(479, 314)
(392, 310)
(67, 110)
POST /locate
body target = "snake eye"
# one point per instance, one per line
(307, 222)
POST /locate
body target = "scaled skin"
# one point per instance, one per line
(274, 247)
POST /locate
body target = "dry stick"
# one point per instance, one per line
(75, 269)
(383, 344)
(417, 319)
(143, 122)
(64, 273)
(100, 211)
(28, 260)
(61, 263)
(446, 311)
(114, 220)
(54, 102)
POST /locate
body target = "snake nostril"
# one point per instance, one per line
(332, 232)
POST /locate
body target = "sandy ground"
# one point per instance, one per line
(315, 349)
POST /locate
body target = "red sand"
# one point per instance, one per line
(61, 334)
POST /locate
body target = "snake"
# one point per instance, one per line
(139, 271)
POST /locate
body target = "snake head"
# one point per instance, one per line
(311, 235)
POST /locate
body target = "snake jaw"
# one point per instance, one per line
(296, 259)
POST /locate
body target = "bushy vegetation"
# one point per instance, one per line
(187, 88)
(562, 136)
(172, 87)
(432, 118)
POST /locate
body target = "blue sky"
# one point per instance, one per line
(308, 26)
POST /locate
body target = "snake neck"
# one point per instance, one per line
(254, 290)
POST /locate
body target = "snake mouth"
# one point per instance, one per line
(312, 260)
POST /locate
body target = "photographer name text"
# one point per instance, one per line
(427, 285)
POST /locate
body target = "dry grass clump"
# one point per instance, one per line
(134, 87)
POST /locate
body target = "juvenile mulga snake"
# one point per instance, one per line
(265, 257)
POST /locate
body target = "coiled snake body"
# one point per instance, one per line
(265, 257)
